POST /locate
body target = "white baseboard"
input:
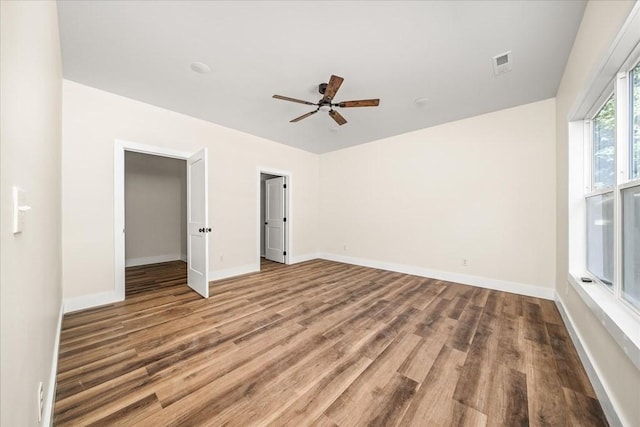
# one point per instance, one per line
(90, 301)
(49, 399)
(607, 404)
(252, 268)
(302, 258)
(134, 262)
(233, 271)
(482, 282)
(94, 300)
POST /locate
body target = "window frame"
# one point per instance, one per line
(589, 178)
(619, 89)
(630, 184)
(593, 276)
(615, 314)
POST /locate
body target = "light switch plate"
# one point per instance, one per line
(19, 209)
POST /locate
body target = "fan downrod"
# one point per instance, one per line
(322, 88)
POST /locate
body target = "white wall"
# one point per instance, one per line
(30, 290)
(481, 189)
(93, 119)
(155, 209)
(491, 189)
(601, 23)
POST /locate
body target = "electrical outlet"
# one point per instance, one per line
(465, 262)
(221, 258)
(344, 248)
(40, 400)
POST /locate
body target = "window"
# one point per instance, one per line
(613, 190)
(603, 192)
(630, 198)
(631, 245)
(600, 206)
(600, 235)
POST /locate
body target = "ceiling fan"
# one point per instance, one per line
(328, 91)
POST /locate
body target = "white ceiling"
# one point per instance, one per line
(397, 51)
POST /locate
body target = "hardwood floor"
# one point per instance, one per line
(319, 344)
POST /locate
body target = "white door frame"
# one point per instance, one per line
(288, 209)
(119, 148)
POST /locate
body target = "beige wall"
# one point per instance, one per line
(601, 23)
(30, 290)
(155, 208)
(482, 189)
(490, 189)
(93, 119)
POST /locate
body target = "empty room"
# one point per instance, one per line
(320, 213)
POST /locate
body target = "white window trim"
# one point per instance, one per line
(629, 184)
(618, 319)
(616, 315)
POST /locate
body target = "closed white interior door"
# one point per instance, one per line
(274, 231)
(198, 232)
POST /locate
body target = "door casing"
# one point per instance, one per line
(120, 146)
(288, 210)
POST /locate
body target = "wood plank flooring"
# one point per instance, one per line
(319, 344)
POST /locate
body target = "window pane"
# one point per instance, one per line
(600, 237)
(631, 245)
(604, 140)
(634, 140)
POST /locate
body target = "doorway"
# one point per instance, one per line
(155, 209)
(155, 220)
(274, 221)
(194, 222)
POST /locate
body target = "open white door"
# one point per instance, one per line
(198, 232)
(274, 219)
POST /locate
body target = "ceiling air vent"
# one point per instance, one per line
(502, 63)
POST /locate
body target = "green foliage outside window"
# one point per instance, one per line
(604, 146)
(634, 171)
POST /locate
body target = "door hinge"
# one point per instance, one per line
(284, 253)
(284, 219)
(285, 185)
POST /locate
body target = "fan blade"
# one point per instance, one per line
(286, 98)
(360, 103)
(332, 87)
(304, 116)
(337, 117)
